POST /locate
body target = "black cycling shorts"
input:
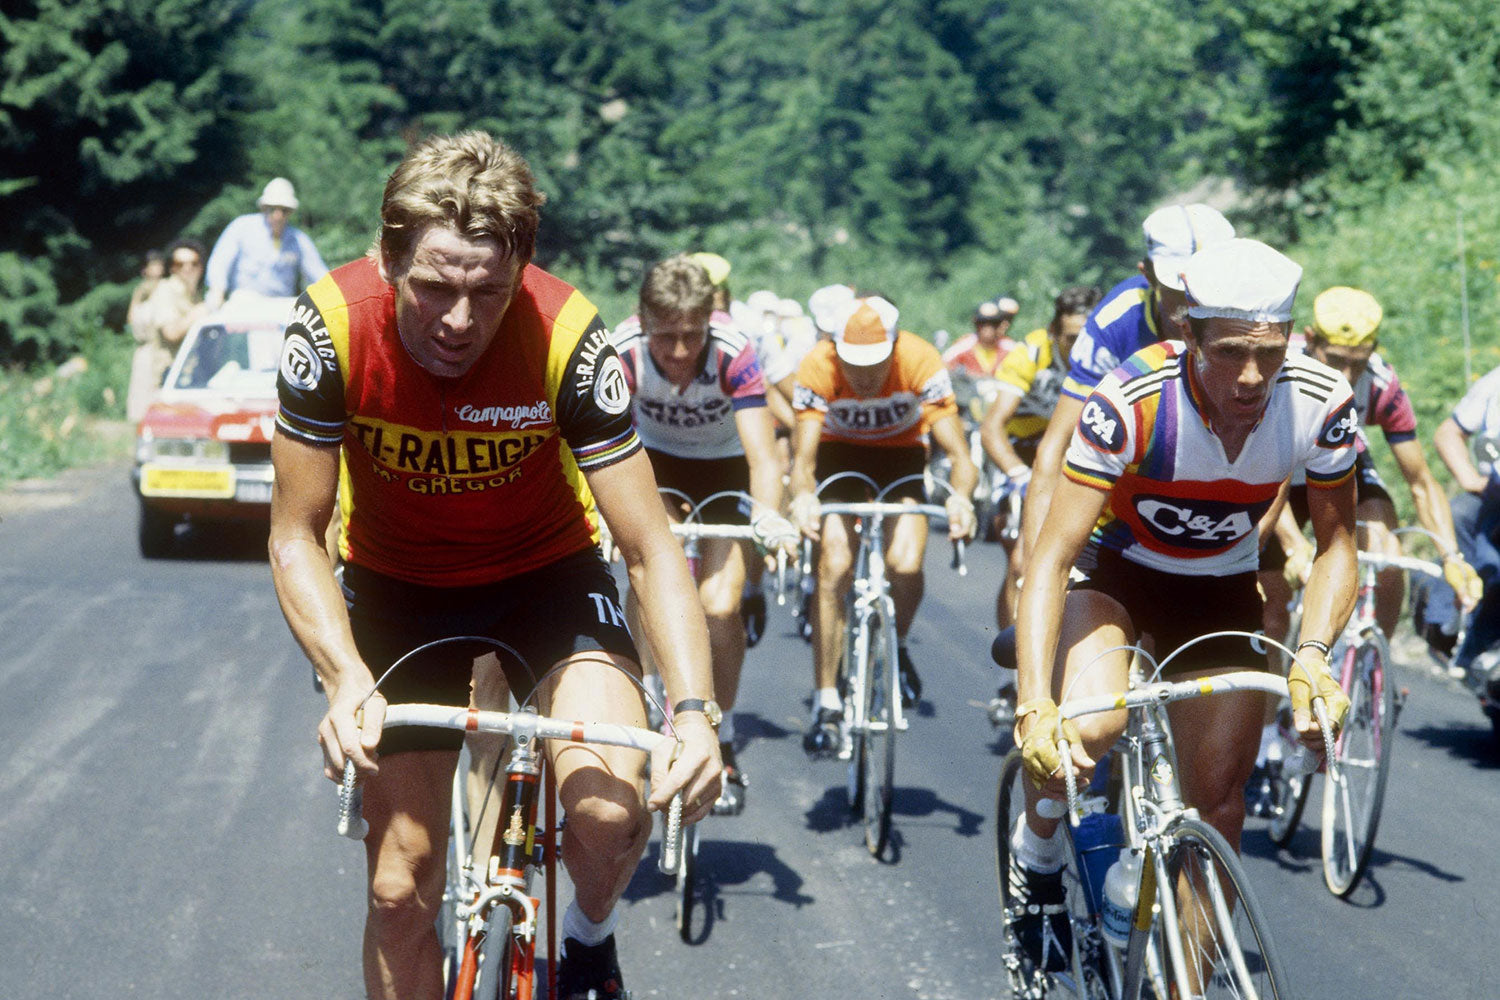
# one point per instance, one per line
(547, 615)
(883, 465)
(1367, 486)
(1173, 608)
(700, 478)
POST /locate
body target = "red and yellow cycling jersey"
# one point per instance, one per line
(917, 393)
(455, 482)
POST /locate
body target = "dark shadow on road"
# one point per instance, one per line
(748, 727)
(831, 812)
(219, 543)
(923, 802)
(1476, 743)
(725, 869)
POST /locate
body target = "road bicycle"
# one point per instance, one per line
(692, 530)
(1354, 792)
(488, 920)
(869, 665)
(1196, 928)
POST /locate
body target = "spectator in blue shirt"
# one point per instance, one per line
(261, 253)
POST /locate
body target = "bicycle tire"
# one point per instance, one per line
(493, 979)
(855, 665)
(1291, 799)
(1234, 929)
(1352, 804)
(879, 758)
(687, 884)
(1026, 981)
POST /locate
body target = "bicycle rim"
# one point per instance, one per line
(1352, 804)
(485, 970)
(879, 763)
(1026, 981)
(1222, 949)
(857, 680)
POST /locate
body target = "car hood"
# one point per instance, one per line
(221, 419)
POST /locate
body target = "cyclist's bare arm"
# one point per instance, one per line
(302, 500)
(1453, 448)
(1329, 595)
(1427, 496)
(1046, 468)
(992, 433)
(948, 434)
(779, 401)
(1039, 614)
(757, 430)
(804, 482)
(673, 620)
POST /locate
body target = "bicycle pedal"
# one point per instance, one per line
(902, 725)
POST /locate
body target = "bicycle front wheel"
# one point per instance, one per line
(687, 883)
(1354, 790)
(879, 756)
(1216, 942)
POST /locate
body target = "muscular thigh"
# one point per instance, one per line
(1094, 627)
(597, 687)
(722, 562)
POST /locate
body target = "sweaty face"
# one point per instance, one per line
(989, 333)
(676, 341)
(1066, 331)
(1349, 362)
(450, 298)
(1236, 362)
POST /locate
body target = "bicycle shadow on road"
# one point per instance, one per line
(831, 812)
(1304, 855)
(219, 543)
(749, 727)
(725, 867)
(1473, 743)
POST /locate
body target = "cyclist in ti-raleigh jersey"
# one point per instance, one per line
(1177, 456)
(1138, 311)
(1343, 335)
(864, 400)
(467, 411)
(699, 404)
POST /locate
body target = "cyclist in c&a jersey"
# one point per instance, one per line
(863, 401)
(699, 404)
(469, 413)
(1183, 449)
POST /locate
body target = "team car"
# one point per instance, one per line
(203, 449)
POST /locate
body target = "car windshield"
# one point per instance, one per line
(237, 362)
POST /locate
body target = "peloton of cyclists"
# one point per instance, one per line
(698, 401)
(1183, 450)
(864, 400)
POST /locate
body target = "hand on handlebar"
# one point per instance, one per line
(775, 533)
(1040, 752)
(961, 520)
(351, 730)
(1298, 565)
(1310, 677)
(691, 767)
(1464, 581)
(805, 509)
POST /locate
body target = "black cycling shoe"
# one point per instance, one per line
(1040, 917)
(753, 610)
(590, 972)
(823, 739)
(731, 800)
(911, 684)
(1002, 707)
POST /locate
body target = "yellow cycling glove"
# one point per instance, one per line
(1464, 581)
(1039, 750)
(1310, 677)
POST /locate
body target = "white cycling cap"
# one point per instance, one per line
(1241, 279)
(764, 300)
(1175, 233)
(279, 194)
(867, 333)
(826, 304)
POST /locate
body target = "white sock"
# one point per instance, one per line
(827, 698)
(580, 928)
(726, 728)
(1041, 856)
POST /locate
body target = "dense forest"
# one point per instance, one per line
(944, 150)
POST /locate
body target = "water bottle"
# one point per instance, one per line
(1098, 839)
(1121, 886)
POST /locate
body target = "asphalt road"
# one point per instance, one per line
(166, 831)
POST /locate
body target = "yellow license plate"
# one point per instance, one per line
(213, 482)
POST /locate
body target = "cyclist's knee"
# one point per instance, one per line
(609, 826)
(402, 895)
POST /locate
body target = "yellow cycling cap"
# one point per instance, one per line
(716, 266)
(1346, 316)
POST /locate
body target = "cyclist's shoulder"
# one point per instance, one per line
(1123, 306)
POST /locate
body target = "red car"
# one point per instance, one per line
(203, 449)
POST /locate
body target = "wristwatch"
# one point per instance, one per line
(709, 708)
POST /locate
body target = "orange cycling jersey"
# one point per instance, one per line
(917, 394)
(455, 482)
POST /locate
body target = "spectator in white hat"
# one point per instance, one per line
(1140, 310)
(262, 252)
(1182, 450)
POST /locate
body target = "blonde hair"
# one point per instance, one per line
(472, 183)
(677, 286)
